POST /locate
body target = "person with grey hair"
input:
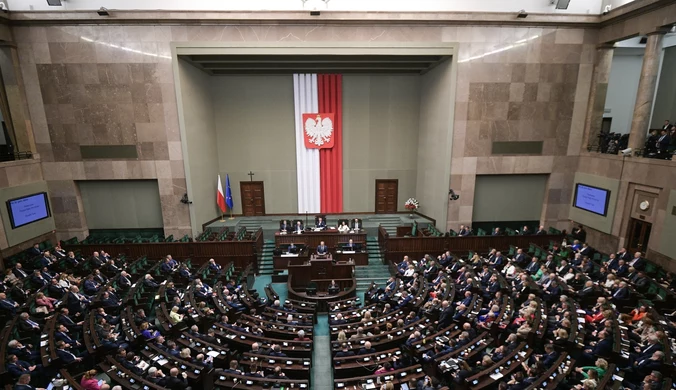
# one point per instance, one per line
(150, 282)
(156, 376)
(301, 336)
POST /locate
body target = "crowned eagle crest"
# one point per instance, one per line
(319, 130)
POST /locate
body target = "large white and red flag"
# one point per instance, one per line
(319, 151)
(220, 197)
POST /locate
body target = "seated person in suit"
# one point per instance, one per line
(366, 349)
(284, 226)
(356, 224)
(497, 232)
(333, 287)
(343, 228)
(8, 305)
(344, 352)
(350, 246)
(213, 266)
(23, 383)
(18, 367)
(185, 272)
(464, 231)
(322, 249)
(320, 224)
(602, 348)
(298, 228)
(65, 354)
(35, 250)
(292, 248)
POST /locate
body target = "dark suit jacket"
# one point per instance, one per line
(64, 337)
(533, 267)
(622, 270)
(56, 291)
(364, 351)
(65, 356)
(18, 369)
(639, 264)
(647, 352)
(603, 348)
(549, 359)
(621, 293)
(24, 326)
(663, 142)
(34, 251)
(8, 305)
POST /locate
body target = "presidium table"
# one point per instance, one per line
(333, 239)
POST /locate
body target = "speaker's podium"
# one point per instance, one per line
(310, 281)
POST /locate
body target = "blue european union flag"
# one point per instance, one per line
(228, 192)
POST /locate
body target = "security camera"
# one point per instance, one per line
(626, 152)
(3, 7)
(185, 199)
(452, 195)
(606, 9)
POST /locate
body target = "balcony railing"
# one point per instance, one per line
(16, 156)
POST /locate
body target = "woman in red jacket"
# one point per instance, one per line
(89, 382)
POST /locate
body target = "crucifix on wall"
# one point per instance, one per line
(251, 175)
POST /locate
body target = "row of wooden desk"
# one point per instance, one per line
(332, 238)
(284, 261)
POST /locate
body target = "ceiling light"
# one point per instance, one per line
(55, 3)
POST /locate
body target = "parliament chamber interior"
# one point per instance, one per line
(315, 194)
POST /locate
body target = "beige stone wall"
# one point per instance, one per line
(113, 85)
(19, 178)
(639, 179)
(520, 85)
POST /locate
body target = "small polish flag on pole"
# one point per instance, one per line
(220, 198)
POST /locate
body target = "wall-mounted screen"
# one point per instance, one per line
(28, 209)
(592, 199)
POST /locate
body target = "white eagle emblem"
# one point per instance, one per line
(319, 131)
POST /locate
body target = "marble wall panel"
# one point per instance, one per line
(538, 75)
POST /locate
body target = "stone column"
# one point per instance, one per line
(646, 90)
(597, 95)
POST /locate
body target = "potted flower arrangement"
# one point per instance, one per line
(412, 205)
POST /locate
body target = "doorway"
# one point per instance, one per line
(386, 195)
(638, 235)
(253, 198)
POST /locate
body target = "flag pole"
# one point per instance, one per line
(231, 217)
(222, 218)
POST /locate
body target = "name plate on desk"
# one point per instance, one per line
(289, 254)
(349, 252)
